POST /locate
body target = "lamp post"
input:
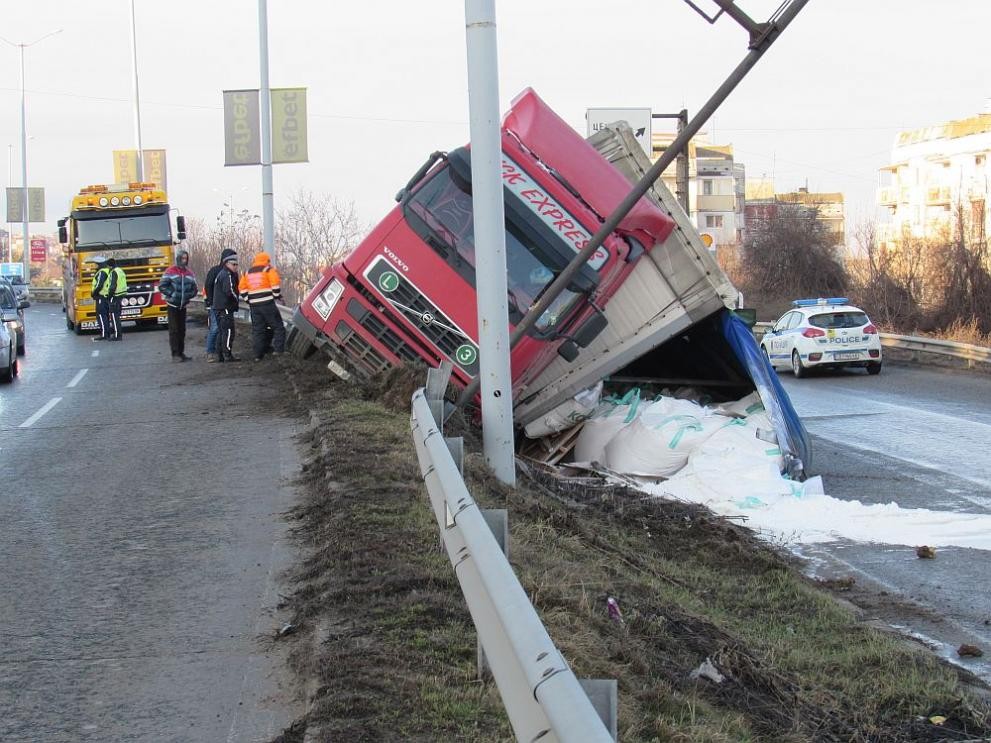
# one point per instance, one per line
(26, 255)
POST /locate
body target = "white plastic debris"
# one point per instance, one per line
(707, 671)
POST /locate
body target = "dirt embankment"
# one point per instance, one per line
(385, 648)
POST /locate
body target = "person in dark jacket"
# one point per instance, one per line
(225, 302)
(178, 286)
(212, 328)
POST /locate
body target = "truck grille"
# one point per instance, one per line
(433, 324)
(359, 351)
(378, 330)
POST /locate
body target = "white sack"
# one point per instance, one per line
(567, 414)
(608, 418)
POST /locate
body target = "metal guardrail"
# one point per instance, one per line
(967, 351)
(542, 696)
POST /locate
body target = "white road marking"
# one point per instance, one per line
(76, 379)
(95, 354)
(34, 418)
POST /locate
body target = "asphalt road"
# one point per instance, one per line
(919, 437)
(141, 542)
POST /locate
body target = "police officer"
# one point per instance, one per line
(114, 290)
(225, 300)
(100, 279)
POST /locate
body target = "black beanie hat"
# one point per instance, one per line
(227, 253)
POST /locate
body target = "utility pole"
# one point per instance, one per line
(137, 100)
(268, 202)
(490, 240)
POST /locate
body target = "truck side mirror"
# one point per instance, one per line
(63, 233)
(568, 351)
(180, 223)
(590, 329)
(748, 315)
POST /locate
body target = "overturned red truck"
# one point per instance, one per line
(651, 303)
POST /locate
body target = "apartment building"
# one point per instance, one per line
(933, 171)
(715, 189)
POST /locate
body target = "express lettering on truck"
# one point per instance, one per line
(550, 212)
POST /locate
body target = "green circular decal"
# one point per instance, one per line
(388, 281)
(466, 355)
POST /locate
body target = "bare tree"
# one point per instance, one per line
(313, 232)
(790, 252)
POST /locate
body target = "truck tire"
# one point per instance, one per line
(300, 346)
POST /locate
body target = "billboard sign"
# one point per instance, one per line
(154, 168)
(639, 120)
(11, 269)
(289, 125)
(125, 166)
(39, 250)
(242, 128)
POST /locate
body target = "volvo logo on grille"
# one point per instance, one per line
(426, 318)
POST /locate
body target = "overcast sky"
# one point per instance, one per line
(387, 85)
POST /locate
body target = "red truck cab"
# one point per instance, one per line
(407, 291)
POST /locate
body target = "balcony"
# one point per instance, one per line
(887, 196)
(938, 195)
(716, 203)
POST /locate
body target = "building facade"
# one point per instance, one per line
(934, 172)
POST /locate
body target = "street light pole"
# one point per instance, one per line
(25, 249)
(137, 100)
(268, 201)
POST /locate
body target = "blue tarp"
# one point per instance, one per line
(792, 436)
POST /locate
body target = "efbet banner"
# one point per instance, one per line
(15, 205)
(289, 125)
(242, 130)
(125, 166)
(153, 167)
(39, 250)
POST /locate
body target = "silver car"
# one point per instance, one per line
(12, 316)
(8, 353)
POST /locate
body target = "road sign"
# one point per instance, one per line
(638, 118)
(11, 269)
(39, 250)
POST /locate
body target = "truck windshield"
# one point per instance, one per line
(103, 232)
(443, 216)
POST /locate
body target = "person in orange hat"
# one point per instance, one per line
(260, 288)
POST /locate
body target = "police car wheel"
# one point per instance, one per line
(796, 365)
(874, 368)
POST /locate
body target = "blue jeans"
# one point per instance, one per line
(211, 334)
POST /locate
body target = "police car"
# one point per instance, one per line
(824, 332)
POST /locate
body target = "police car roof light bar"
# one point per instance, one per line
(819, 301)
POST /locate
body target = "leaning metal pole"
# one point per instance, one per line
(758, 45)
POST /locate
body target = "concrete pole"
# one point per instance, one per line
(268, 202)
(490, 239)
(137, 100)
(26, 246)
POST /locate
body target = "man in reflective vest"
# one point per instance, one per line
(260, 288)
(114, 290)
(100, 279)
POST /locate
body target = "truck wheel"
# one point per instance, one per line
(300, 346)
(796, 365)
(874, 368)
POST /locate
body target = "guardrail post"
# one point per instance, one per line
(604, 696)
(497, 520)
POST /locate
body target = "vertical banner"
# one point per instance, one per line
(125, 166)
(39, 250)
(15, 205)
(36, 205)
(242, 128)
(154, 168)
(289, 125)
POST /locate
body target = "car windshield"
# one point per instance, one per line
(839, 320)
(104, 232)
(446, 211)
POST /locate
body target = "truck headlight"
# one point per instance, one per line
(324, 302)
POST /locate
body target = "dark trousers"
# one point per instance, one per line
(225, 339)
(267, 328)
(103, 316)
(177, 329)
(115, 308)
